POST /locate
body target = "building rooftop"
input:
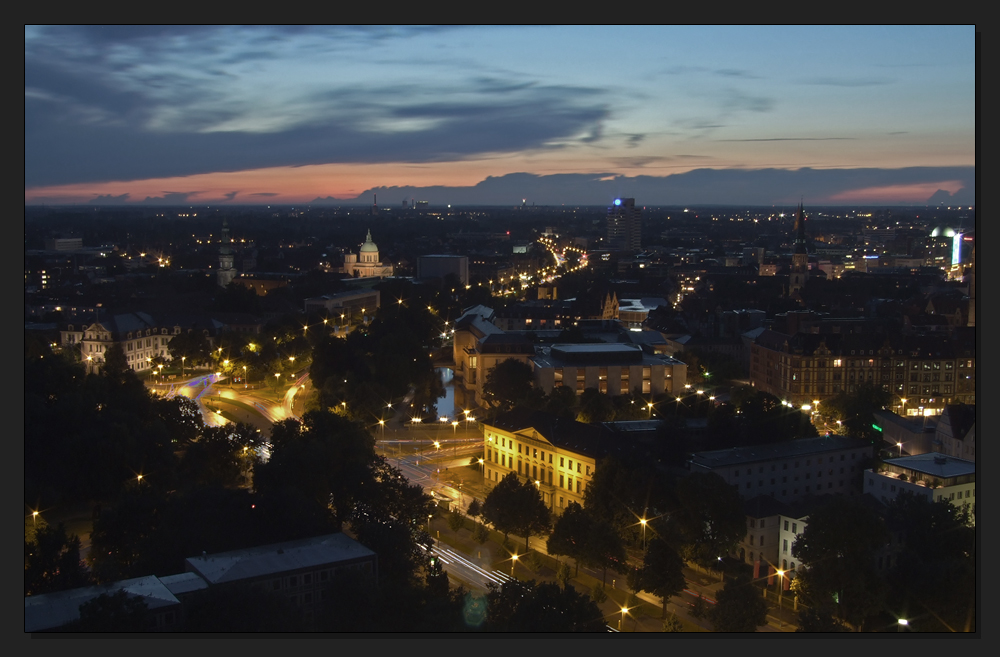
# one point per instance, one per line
(568, 434)
(764, 506)
(934, 464)
(800, 447)
(52, 610)
(184, 583)
(277, 558)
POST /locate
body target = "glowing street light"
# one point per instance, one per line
(781, 589)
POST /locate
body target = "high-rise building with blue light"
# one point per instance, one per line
(624, 226)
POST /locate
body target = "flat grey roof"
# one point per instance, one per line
(602, 348)
(52, 610)
(800, 447)
(935, 464)
(592, 354)
(277, 558)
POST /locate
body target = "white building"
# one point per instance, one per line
(300, 570)
(937, 477)
(366, 263)
(791, 470)
(52, 611)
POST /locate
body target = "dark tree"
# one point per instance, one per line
(856, 410)
(507, 383)
(662, 572)
(112, 612)
(739, 607)
(936, 568)
(121, 534)
(518, 606)
(181, 418)
(619, 493)
(115, 363)
(516, 507)
(708, 521)
(52, 560)
(604, 549)
(223, 456)
(192, 346)
(595, 406)
(330, 462)
(570, 533)
(838, 551)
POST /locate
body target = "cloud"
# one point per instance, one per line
(116, 117)
(792, 139)
(734, 100)
(265, 194)
(109, 199)
(169, 198)
(736, 73)
(847, 82)
(634, 140)
(762, 187)
(229, 196)
(639, 161)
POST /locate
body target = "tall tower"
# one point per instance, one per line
(800, 256)
(972, 287)
(226, 270)
(624, 226)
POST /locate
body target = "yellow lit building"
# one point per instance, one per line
(557, 455)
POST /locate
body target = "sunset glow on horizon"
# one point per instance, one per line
(258, 115)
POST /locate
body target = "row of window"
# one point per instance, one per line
(784, 493)
(307, 579)
(528, 452)
(784, 466)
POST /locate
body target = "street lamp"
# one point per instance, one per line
(482, 468)
(650, 407)
(513, 562)
(183, 358)
(642, 521)
(900, 446)
(781, 589)
(621, 623)
(902, 624)
(454, 427)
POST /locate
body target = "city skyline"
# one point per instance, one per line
(687, 115)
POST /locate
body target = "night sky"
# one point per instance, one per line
(239, 115)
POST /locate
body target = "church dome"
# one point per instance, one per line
(369, 245)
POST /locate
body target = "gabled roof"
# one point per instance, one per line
(567, 434)
(764, 506)
(52, 610)
(277, 558)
